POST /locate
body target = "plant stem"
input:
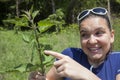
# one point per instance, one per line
(39, 51)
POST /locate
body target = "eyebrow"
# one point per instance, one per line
(85, 30)
(100, 28)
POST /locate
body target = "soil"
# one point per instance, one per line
(36, 75)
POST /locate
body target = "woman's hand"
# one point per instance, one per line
(67, 67)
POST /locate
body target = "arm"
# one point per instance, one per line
(67, 67)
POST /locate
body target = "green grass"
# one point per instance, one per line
(116, 27)
(14, 51)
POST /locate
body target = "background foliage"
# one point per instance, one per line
(12, 8)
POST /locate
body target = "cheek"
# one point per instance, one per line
(83, 43)
(102, 41)
(106, 40)
(105, 43)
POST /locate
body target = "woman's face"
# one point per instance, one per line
(96, 38)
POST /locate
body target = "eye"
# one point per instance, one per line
(84, 35)
(99, 33)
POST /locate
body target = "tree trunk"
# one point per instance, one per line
(108, 1)
(70, 11)
(53, 6)
(73, 17)
(17, 8)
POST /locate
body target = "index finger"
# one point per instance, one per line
(54, 54)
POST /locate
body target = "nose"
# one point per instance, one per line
(92, 40)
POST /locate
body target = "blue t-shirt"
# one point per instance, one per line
(106, 71)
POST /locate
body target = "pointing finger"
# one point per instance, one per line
(54, 54)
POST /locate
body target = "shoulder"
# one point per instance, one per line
(71, 52)
(114, 58)
(114, 55)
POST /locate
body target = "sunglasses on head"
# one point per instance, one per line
(97, 11)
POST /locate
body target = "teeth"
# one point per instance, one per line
(93, 49)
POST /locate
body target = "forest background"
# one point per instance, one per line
(56, 22)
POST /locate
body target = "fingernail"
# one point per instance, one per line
(45, 51)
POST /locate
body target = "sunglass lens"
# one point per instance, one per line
(99, 10)
(83, 14)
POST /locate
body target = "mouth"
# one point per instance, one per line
(94, 49)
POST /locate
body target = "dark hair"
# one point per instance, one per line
(106, 17)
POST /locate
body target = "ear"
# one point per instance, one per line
(112, 36)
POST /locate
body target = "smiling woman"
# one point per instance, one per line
(95, 58)
(96, 39)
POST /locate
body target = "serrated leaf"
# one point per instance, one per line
(26, 38)
(33, 46)
(31, 67)
(44, 25)
(27, 67)
(12, 21)
(34, 14)
(26, 16)
(21, 68)
(48, 60)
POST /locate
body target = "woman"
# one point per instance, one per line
(95, 60)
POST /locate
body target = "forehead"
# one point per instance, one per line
(93, 23)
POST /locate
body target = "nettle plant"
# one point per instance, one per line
(37, 70)
(30, 16)
(38, 28)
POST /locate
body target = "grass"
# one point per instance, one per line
(14, 51)
(116, 27)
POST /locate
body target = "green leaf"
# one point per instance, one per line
(33, 46)
(34, 14)
(26, 16)
(27, 67)
(26, 38)
(12, 21)
(118, 1)
(21, 68)
(21, 22)
(48, 61)
(44, 25)
(31, 67)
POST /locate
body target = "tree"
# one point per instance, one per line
(53, 6)
(109, 9)
(17, 8)
(70, 12)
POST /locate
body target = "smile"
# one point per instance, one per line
(94, 50)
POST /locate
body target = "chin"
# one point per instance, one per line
(97, 57)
